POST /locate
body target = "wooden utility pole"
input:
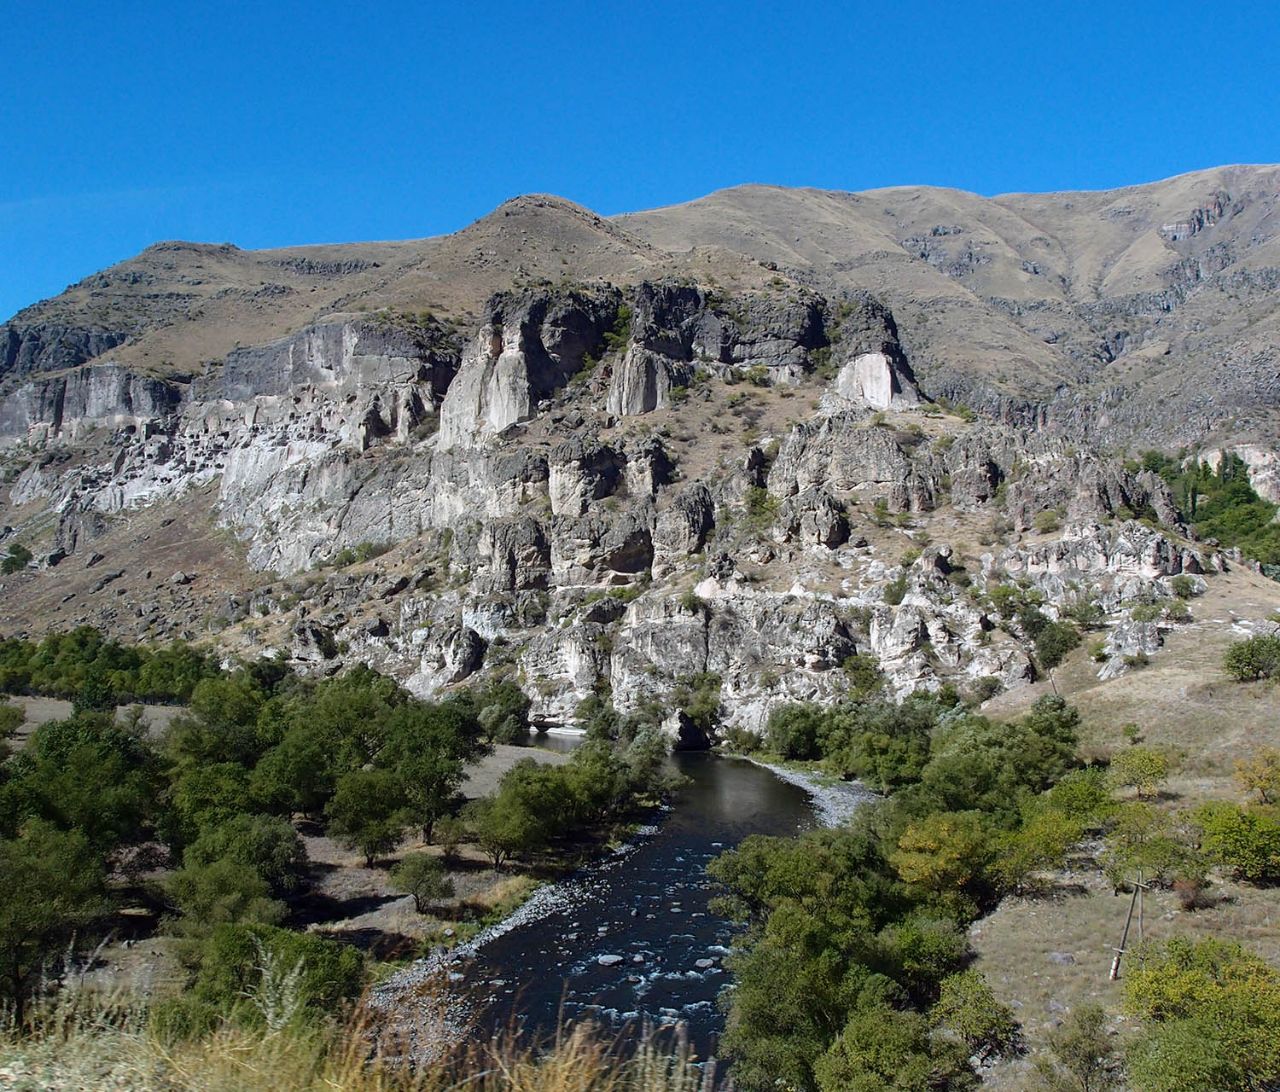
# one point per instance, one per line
(1135, 901)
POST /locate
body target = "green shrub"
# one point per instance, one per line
(793, 731)
(267, 846)
(762, 508)
(17, 559)
(896, 590)
(1047, 521)
(1143, 769)
(1211, 1015)
(266, 975)
(864, 674)
(1054, 641)
(968, 1008)
(1253, 658)
(1246, 840)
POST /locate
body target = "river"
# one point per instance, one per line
(631, 940)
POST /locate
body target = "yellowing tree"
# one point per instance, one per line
(945, 852)
(1143, 769)
(1260, 773)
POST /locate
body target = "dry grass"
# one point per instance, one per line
(1047, 956)
(1183, 700)
(78, 1047)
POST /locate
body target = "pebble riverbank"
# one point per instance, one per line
(833, 802)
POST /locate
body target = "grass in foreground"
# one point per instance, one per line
(87, 1043)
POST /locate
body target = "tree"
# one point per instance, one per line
(206, 796)
(882, 1049)
(499, 830)
(1245, 840)
(1211, 1013)
(967, 1007)
(270, 975)
(1054, 641)
(946, 852)
(427, 747)
(530, 807)
(96, 693)
(1147, 840)
(16, 559)
(1260, 773)
(221, 892)
(793, 731)
(298, 774)
(1185, 1056)
(423, 877)
(52, 887)
(1253, 658)
(503, 711)
(266, 845)
(1143, 769)
(12, 718)
(92, 774)
(367, 812)
(1082, 1056)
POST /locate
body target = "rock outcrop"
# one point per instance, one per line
(544, 532)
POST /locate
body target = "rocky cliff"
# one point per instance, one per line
(625, 489)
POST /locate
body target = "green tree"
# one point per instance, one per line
(89, 773)
(367, 812)
(423, 877)
(12, 717)
(968, 1008)
(221, 892)
(17, 558)
(96, 694)
(1253, 658)
(1054, 641)
(1147, 840)
(794, 731)
(946, 852)
(1245, 840)
(205, 796)
(502, 709)
(532, 805)
(1082, 1056)
(427, 748)
(1143, 769)
(881, 1048)
(1211, 1013)
(298, 774)
(52, 888)
(266, 845)
(267, 975)
(1260, 773)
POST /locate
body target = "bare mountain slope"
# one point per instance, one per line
(179, 307)
(1140, 315)
(1152, 304)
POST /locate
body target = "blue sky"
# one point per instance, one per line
(123, 123)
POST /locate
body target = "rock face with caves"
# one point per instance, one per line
(589, 488)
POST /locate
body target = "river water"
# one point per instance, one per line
(631, 940)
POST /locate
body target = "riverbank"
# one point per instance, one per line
(422, 1003)
(834, 802)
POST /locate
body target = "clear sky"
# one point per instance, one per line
(267, 124)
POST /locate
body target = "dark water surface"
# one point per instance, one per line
(631, 940)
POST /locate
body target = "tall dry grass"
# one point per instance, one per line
(86, 1042)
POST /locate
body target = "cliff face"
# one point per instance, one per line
(704, 446)
(590, 489)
